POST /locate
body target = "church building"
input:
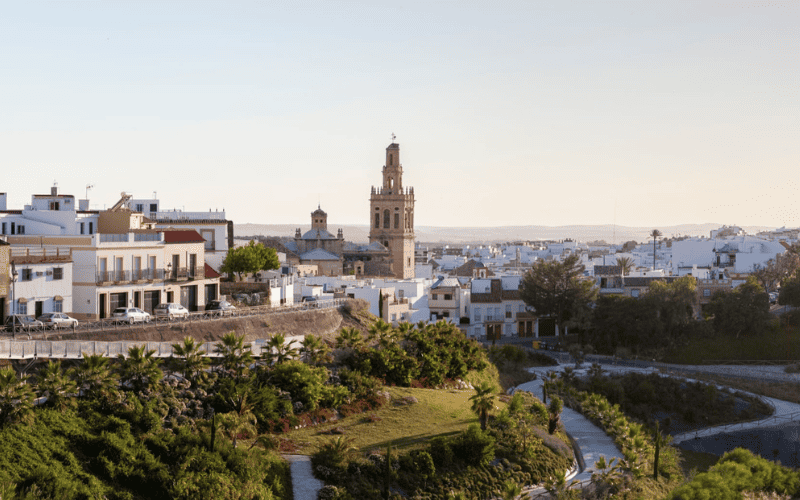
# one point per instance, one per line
(392, 216)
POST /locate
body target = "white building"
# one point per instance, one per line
(43, 283)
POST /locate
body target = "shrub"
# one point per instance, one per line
(474, 446)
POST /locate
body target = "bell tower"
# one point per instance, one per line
(392, 216)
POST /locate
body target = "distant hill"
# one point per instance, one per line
(474, 235)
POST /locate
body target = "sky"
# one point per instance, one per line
(638, 113)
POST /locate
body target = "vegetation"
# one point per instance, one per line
(742, 311)
(250, 258)
(558, 289)
(736, 472)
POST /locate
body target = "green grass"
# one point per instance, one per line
(407, 426)
(770, 346)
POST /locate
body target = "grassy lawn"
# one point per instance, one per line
(696, 461)
(773, 345)
(406, 426)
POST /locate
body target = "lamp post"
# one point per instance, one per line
(169, 271)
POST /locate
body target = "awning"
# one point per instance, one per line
(58, 297)
(23, 300)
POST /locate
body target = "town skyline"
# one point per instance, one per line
(516, 114)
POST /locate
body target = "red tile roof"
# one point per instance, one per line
(183, 236)
(210, 272)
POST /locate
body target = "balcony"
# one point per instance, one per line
(186, 273)
(145, 275)
(104, 277)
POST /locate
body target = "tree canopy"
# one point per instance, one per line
(743, 311)
(250, 258)
(557, 288)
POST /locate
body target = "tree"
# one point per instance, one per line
(53, 383)
(250, 258)
(314, 351)
(557, 288)
(95, 379)
(554, 414)
(655, 234)
(235, 355)
(776, 270)
(790, 292)
(743, 311)
(626, 263)
(16, 398)
(279, 350)
(482, 402)
(237, 424)
(140, 369)
(190, 361)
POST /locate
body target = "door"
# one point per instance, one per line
(151, 300)
(2, 307)
(102, 306)
(39, 308)
(118, 300)
(211, 293)
(189, 297)
(137, 299)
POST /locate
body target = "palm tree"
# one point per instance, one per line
(349, 338)
(482, 402)
(53, 383)
(511, 490)
(94, 378)
(140, 369)
(279, 350)
(235, 424)
(190, 360)
(16, 398)
(380, 330)
(235, 355)
(655, 234)
(626, 263)
(315, 351)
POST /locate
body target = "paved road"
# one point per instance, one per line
(304, 485)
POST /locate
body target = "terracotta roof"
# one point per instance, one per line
(210, 272)
(39, 259)
(183, 236)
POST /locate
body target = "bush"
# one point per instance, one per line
(474, 446)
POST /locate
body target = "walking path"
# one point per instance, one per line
(304, 485)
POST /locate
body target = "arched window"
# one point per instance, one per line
(377, 220)
(391, 159)
(391, 182)
(386, 219)
(396, 218)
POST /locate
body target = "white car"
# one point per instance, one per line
(57, 320)
(130, 315)
(171, 311)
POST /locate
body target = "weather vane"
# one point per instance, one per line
(393, 137)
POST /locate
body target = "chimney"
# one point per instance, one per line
(83, 205)
(54, 191)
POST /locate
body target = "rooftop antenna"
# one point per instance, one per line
(88, 187)
(154, 195)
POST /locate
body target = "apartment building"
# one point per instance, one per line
(497, 310)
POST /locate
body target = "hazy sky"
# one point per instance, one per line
(507, 113)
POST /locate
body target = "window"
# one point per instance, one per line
(377, 220)
(508, 310)
(139, 207)
(58, 274)
(401, 293)
(4, 228)
(153, 207)
(22, 308)
(82, 229)
(707, 292)
(91, 228)
(20, 229)
(435, 296)
(27, 275)
(445, 314)
(448, 296)
(521, 308)
(54, 205)
(396, 219)
(58, 305)
(477, 314)
(386, 219)
(13, 228)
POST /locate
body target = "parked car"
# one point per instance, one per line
(170, 311)
(22, 322)
(220, 307)
(57, 320)
(130, 315)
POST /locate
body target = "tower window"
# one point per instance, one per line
(397, 220)
(386, 219)
(391, 160)
(377, 221)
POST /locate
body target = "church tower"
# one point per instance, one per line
(392, 216)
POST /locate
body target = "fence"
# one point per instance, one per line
(26, 349)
